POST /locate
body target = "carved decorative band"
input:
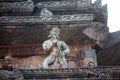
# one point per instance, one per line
(61, 5)
(77, 18)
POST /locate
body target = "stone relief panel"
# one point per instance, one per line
(61, 5)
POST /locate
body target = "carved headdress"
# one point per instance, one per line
(46, 13)
(55, 32)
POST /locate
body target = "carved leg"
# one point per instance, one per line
(63, 63)
(47, 61)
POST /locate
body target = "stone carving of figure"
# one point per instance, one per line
(56, 49)
(46, 14)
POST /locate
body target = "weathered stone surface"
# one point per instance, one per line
(113, 39)
(11, 0)
(105, 14)
(97, 32)
(63, 5)
(110, 56)
(9, 75)
(38, 35)
(21, 20)
(17, 7)
(89, 57)
(97, 4)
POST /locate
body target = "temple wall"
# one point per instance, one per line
(33, 62)
(34, 59)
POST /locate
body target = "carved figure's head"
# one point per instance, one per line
(54, 33)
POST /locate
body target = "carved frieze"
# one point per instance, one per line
(17, 7)
(65, 5)
(103, 72)
(16, 20)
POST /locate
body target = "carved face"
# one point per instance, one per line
(54, 39)
(54, 33)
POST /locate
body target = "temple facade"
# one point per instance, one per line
(25, 25)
